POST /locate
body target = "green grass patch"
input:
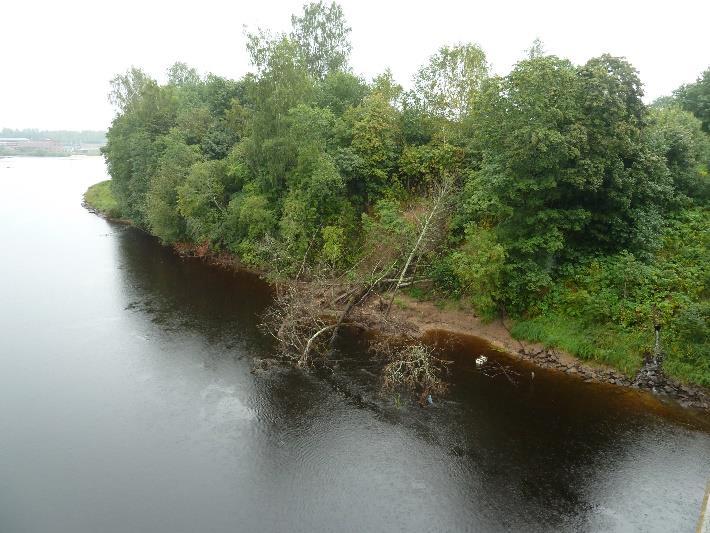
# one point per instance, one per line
(601, 343)
(100, 197)
(605, 307)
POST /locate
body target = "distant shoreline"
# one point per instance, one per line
(39, 154)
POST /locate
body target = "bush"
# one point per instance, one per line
(100, 197)
(605, 308)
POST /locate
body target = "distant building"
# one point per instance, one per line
(89, 148)
(11, 142)
(23, 145)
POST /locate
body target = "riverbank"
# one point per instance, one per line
(424, 318)
(427, 318)
(99, 200)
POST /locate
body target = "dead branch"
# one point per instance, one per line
(494, 369)
(412, 366)
(439, 199)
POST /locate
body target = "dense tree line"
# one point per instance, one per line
(568, 195)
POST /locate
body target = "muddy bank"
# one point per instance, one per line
(425, 319)
(428, 319)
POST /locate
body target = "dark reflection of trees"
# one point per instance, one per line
(188, 294)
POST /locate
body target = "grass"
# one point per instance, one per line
(607, 344)
(616, 346)
(100, 198)
(604, 309)
(400, 303)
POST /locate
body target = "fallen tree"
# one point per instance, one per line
(311, 309)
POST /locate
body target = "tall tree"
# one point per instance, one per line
(695, 97)
(565, 166)
(126, 88)
(449, 82)
(323, 36)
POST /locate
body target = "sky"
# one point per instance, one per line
(58, 56)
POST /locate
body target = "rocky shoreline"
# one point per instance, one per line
(648, 378)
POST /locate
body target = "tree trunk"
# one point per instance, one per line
(412, 253)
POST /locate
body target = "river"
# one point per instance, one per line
(127, 404)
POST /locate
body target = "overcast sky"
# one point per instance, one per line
(58, 56)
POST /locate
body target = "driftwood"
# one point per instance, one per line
(413, 366)
(311, 309)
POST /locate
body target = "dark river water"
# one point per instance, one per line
(127, 405)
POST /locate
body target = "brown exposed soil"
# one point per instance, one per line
(429, 318)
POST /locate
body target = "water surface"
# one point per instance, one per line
(127, 404)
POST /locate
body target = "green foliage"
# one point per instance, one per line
(322, 35)
(565, 168)
(202, 200)
(377, 141)
(424, 165)
(479, 266)
(449, 83)
(340, 91)
(603, 343)
(624, 297)
(695, 97)
(163, 216)
(100, 197)
(249, 217)
(677, 136)
(333, 245)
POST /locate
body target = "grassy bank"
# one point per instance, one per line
(604, 309)
(99, 197)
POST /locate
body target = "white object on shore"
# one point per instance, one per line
(481, 360)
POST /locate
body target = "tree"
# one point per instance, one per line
(181, 75)
(695, 97)
(427, 236)
(126, 88)
(283, 83)
(449, 82)
(249, 217)
(322, 35)
(163, 216)
(376, 140)
(202, 200)
(339, 91)
(565, 167)
(537, 49)
(677, 136)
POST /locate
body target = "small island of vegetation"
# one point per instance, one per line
(552, 197)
